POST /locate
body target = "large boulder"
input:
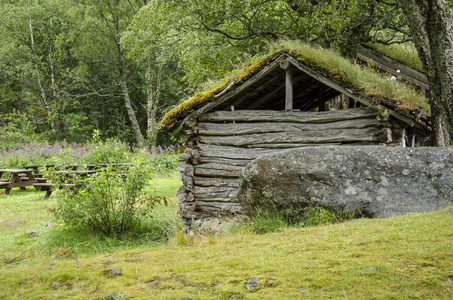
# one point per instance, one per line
(372, 181)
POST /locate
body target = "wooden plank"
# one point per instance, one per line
(233, 162)
(217, 192)
(390, 65)
(291, 145)
(257, 90)
(289, 116)
(210, 181)
(325, 136)
(268, 127)
(217, 205)
(208, 150)
(218, 170)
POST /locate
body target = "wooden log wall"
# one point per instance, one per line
(220, 145)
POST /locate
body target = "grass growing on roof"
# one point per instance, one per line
(405, 53)
(331, 63)
(366, 79)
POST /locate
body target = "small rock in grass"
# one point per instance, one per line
(52, 264)
(2, 221)
(55, 284)
(251, 283)
(115, 272)
(187, 298)
(115, 295)
(108, 262)
(32, 233)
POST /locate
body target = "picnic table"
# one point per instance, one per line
(81, 173)
(29, 176)
(20, 178)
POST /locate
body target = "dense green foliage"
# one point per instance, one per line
(62, 66)
(69, 67)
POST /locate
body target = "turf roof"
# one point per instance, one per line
(364, 80)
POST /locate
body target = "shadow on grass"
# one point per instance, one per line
(84, 241)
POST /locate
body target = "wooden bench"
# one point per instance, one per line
(48, 187)
(4, 184)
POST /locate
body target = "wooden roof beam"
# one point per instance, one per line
(255, 91)
(274, 92)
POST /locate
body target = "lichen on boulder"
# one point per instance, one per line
(372, 181)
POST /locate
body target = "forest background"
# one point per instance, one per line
(69, 67)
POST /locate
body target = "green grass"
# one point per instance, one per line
(405, 53)
(407, 257)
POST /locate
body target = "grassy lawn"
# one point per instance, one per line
(407, 257)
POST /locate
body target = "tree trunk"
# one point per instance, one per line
(123, 83)
(127, 100)
(431, 25)
(41, 87)
(153, 102)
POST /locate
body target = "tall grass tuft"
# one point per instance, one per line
(317, 215)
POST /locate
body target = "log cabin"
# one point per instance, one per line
(285, 100)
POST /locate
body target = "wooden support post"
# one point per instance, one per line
(289, 89)
(285, 65)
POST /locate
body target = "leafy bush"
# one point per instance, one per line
(110, 151)
(107, 202)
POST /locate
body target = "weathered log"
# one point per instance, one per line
(334, 135)
(288, 116)
(208, 150)
(184, 157)
(289, 145)
(187, 180)
(184, 194)
(186, 169)
(269, 127)
(233, 162)
(218, 170)
(210, 181)
(219, 207)
(224, 193)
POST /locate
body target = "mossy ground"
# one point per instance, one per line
(407, 257)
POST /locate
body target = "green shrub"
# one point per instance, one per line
(165, 162)
(107, 202)
(110, 151)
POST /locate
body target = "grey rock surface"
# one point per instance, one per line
(373, 181)
(251, 283)
(115, 295)
(115, 272)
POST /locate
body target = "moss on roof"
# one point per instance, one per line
(330, 63)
